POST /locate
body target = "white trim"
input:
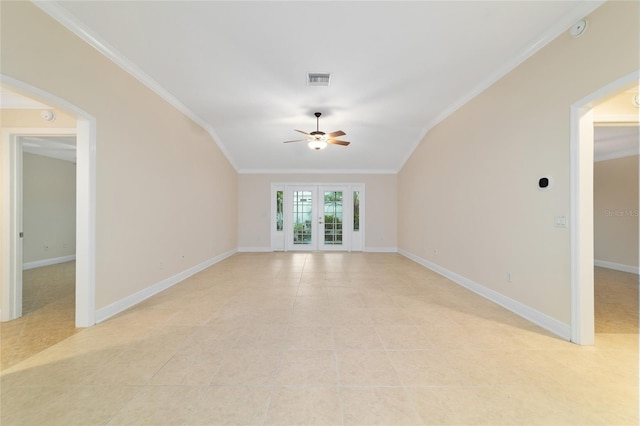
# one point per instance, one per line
(254, 250)
(72, 23)
(12, 153)
(615, 119)
(581, 238)
(85, 221)
(619, 154)
(288, 187)
(317, 171)
(358, 237)
(347, 217)
(115, 308)
(617, 266)
(381, 249)
(11, 225)
(85, 195)
(554, 31)
(541, 319)
(276, 237)
(581, 202)
(47, 262)
(431, 125)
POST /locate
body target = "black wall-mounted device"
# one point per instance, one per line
(543, 182)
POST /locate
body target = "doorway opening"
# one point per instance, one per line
(582, 209)
(85, 211)
(317, 217)
(616, 240)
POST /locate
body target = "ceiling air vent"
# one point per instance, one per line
(318, 78)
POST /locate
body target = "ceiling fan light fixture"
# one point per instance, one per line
(318, 140)
(317, 144)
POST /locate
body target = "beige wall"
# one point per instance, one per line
(30, 118)
(165, 192)
(49, 208)
(470, 191)
(615, 210)
(254, 206)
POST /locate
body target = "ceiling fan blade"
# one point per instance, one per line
(336, 134)
(304, 133)
(297, 140)
(337, 142)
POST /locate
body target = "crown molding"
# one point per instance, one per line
(72, 23)
(317, 171)
(69, 21)
(616, 119)
(617, 154)
(554, 31)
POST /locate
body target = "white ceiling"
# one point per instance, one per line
(60, 147)
(615, 141)
(397, 68)
(611, 139)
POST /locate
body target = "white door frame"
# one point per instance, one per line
(277, 236)
(12, 174)
(280, 239)
(347, 217)
(85, 205)
(11, 226)
(357, 237)
(288, 218)
(582, 251)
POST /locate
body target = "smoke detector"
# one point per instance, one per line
(578, 28)
(47, 115)
(318, 78)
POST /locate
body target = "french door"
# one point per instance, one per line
(317, 218)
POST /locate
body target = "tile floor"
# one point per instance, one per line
(48, 313)
(329, 339)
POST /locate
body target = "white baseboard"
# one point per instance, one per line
(47, 262)
(129, 301)
(268, 249)
(254, 249)
(617, 266)
(381, 249)
(543, 320)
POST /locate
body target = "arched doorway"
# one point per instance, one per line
(85, 209)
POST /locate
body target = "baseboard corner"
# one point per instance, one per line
(617, 266)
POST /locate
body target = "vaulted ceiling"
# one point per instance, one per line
(397, 68)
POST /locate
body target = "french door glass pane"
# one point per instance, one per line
(279, 210)
(302, 220)
(356, 210)
(333, 217)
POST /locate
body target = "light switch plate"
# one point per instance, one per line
(560, 221)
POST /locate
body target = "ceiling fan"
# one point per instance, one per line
(318, 140)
